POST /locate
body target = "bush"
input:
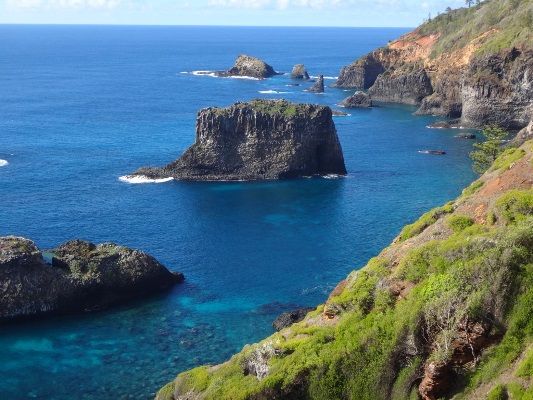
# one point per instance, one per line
(424, 222)
(516, 205)
(459, 223)
(499, 392)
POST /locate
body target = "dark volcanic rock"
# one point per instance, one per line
(401, 87)
(291, 317)
(299, 72)
(318, 87)
(82, 277)
(497, 90)
(358, 100)
(361, 74)
(262, 139)
(249, 66)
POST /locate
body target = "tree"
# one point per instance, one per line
(485, 153)
(469, 2)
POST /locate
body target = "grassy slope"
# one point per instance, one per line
(371, 340)
(510, 23)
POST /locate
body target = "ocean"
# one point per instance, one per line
(82, 106)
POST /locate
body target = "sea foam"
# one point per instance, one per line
(272, 92)
(138, 179)
(3, 163)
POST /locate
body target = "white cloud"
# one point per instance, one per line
(96, 4)
(278, 4)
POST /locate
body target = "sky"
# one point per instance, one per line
(351, 13)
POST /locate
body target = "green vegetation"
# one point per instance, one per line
(499, 392)
(488, 151)
(459, 223)
(373, 338)
(473, 188)
(424, 222)
(508, 158)
(276, 107)
(510, 23)
(516, 205)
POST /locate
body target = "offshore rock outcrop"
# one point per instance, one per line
(79, 276)
(358, 100)
(299, 72)
(262, 139)
(318, 87)
(248, 66)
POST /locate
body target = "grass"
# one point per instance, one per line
(380, 342)
(473, 188)
(507, 159)
(424, 222)
(510, 21)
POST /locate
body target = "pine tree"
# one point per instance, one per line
(485, 153)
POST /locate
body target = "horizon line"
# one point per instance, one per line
(202, 26)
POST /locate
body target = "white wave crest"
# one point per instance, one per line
(204, 73)
(332, 176)
(3, 163)
(138, 179)
(272, 92)
(252, 78)
(326, 77)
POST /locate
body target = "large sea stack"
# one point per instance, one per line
(475, 64)
(262, 139)
(75, 277)
(248, 66)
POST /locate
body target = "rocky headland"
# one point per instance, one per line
(299, 72)
(443, 312)
(248, 66)
(258, 140)
(75, 277)
(475, 64)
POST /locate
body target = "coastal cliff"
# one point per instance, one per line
(74, 277)
(262, 139)
(444, 311)
(473, 63)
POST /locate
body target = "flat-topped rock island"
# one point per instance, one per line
(258, 140)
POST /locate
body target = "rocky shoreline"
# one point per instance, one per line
(75, 277)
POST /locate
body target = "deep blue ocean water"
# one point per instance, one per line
(82, 106)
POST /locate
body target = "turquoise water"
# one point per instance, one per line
(82, 106)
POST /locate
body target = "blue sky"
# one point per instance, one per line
(224, 12)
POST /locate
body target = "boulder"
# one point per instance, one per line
(299, 72)
(81, 277)
(318, 87)
(249, 66)
(358, 100)
(258, 140)
(291, 317)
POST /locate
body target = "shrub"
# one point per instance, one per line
(499, 392)
(459, 223)
(516, 205)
